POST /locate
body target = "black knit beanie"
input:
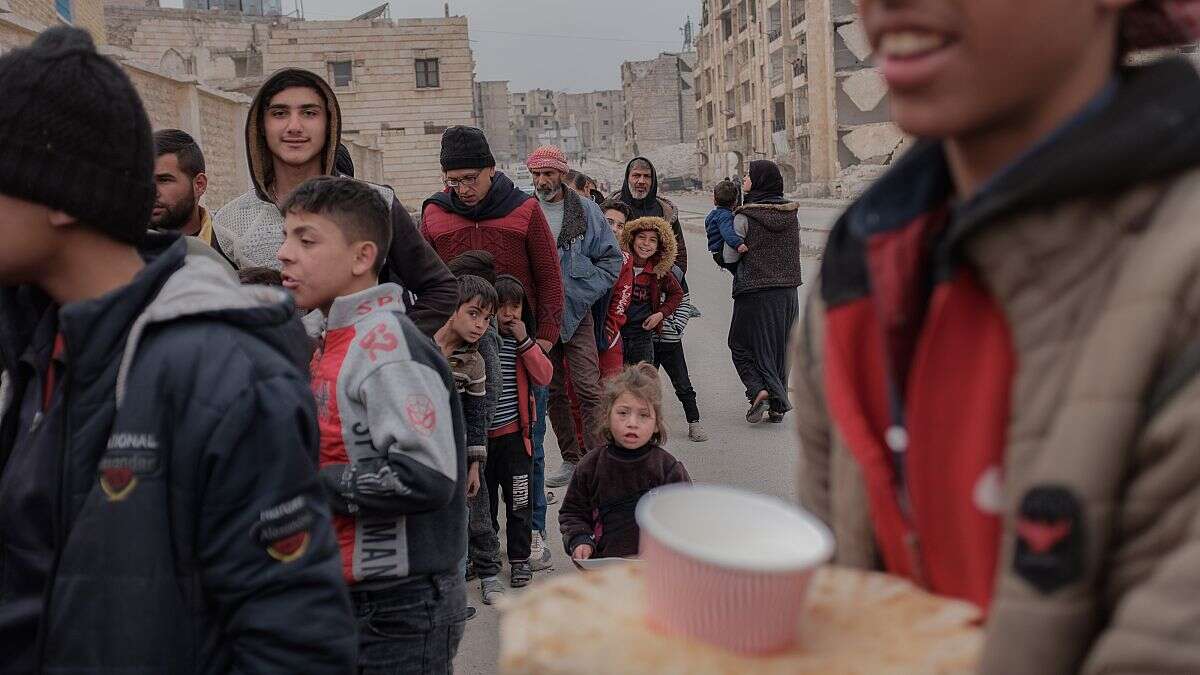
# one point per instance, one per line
(465, 148)
(74, 135)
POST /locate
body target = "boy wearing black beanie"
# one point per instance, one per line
(157, 433)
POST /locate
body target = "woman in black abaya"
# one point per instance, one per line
(765, 296)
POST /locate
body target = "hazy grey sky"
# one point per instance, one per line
(512, 39)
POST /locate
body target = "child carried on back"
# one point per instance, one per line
(597, 514)
(718, 225)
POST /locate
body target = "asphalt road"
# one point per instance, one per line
(758, 458)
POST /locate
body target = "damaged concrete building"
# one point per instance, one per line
(659, 102)
(598, 118)
(493, 114)
(790, 81)
(399, 82)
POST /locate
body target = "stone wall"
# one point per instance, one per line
(214, 46)
(87, 14)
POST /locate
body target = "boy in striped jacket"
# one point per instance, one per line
(523, 365)
(668, 355)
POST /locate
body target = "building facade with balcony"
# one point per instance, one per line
(791, 81)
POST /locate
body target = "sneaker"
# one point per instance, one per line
(539, 555)
(551, 498)
(522, 574)
(696, 433)
(491, 589)
(757, 411)
(562, 477)
(775, 417)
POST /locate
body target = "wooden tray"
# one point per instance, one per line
(856, 623)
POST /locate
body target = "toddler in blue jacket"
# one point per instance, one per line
(719, 225)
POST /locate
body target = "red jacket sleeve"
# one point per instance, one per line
(674, 295)
(536, 363)
(542, 251)
(622, 293)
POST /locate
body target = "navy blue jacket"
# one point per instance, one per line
(192, 533)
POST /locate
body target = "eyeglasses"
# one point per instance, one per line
(468, 181)
(612, 222)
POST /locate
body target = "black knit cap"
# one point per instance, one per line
(74, 135)
(465, 148)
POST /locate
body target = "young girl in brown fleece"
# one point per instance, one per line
(596, 518)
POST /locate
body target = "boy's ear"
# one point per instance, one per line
(365, 255)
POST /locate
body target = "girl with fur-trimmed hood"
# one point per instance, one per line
(652, 252)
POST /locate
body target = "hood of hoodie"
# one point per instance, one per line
(651, 197)
(172, 286)
(257, 152)
(764, 215)
(200, 288)
(668, 249)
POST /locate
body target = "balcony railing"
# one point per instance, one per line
(778, 125)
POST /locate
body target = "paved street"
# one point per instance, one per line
(762, 458)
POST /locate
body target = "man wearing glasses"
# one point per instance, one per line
(481, 210)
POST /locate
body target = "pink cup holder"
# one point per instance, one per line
(727, 567)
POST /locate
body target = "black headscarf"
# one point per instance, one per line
(642, 207)
(501, 199)
(766, 183)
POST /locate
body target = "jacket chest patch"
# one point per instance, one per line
(284, 530)
(1050, 538)
(119, 471)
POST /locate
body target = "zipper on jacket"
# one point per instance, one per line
(64, 498)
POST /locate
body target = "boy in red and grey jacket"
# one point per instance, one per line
(392, 441)
(523, 365)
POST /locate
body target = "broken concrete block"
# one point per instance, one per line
(866, 88)
(856, 40)
(873, 140)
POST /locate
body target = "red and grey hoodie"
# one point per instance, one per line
(393, 446)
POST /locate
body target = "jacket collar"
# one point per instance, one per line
(94, 330)
(350, 309)
(574, 223)
(1145, 133)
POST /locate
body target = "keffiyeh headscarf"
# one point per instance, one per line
(1160, 23)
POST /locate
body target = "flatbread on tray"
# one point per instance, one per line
(855, 622)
